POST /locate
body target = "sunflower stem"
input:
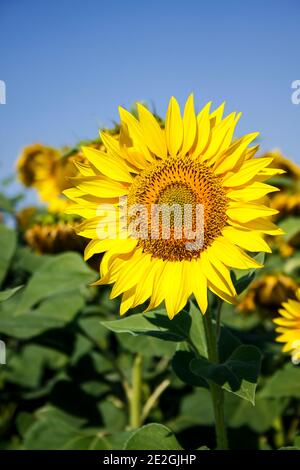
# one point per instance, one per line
(135, 401)
(217, 394)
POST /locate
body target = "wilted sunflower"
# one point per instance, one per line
(37, 167)
(48, 171)
(192, 160)
(287, 202)
(289, 327)
(267, 293)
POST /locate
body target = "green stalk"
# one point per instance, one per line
(216, 391)
(135, 402)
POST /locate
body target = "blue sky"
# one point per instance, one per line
(68, 64)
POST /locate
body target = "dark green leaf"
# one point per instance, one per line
(237, 375)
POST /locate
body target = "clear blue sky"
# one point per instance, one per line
(68, 64)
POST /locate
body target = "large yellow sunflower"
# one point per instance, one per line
(192, 161)
(289, 327)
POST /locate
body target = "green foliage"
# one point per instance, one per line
(238, 374)
(70, 363)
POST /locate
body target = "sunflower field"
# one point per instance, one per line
(203, 356)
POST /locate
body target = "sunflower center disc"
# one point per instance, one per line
(178, 194)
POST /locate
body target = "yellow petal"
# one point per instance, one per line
(189, 125)
(203, 131)
(198, 282)
(252, 192)
(85, 211)
(247, 171)
(132, 273)
(221, 136)
(231, 255)
(243, 212)
(214, 275)
(153, 134)
(217, 114)
(233, 156)
(136, 132)
(174, 127)
(249, 240)
(127, 301)
(85, 170)
(176, 293)
(99, 187)
(99, 246)
(260, 225)
(111, 166)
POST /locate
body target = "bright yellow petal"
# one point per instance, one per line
(135, 132)
(153, 134)
(97, 186)
(176, 293)
(246, 239)
(198, 283)
(233, 156)
(260, 225)
(189, 126)
(243, 212)
(247, 171)
(231, 255)
(109, 165)
(252, 192)
(174, 127)
(203, 131)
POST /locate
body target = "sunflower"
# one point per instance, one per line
(48, 171)
(191, 161)
(267, 294)
(55, 237)
(289, 327)
(37, 167)
(287, 202)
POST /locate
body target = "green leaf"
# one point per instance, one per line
(284, 383)
(28, 261)
(180, 364)
(146, 345)
(227, 343)
(260, 418)
(114, 417)
(243, 281)
(152, 437)
(8, 240)
(62, 273)
(52, 313)
(25, 367)
(6, 294)
(237, 375)
(56, 430)
(187, 326)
